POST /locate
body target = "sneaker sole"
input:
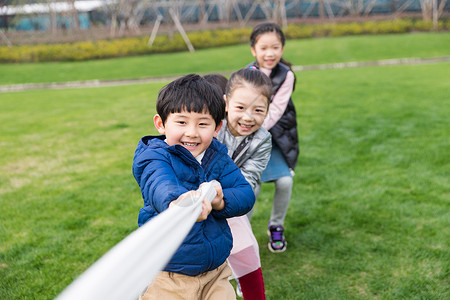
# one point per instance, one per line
(273, 250)
(276, 251)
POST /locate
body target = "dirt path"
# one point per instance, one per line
(102, 83)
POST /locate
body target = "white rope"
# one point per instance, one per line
(130, 266)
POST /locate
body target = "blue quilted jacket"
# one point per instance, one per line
(165, 172)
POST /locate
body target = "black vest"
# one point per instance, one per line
(284, 132)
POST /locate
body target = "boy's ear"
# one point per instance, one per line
(159, 124)
(226, 102)
(218, 128)
(253, 51)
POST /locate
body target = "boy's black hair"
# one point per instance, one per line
(217, 79)
(252, 77)
(190, 93)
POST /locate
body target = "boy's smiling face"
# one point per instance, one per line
(194, 131)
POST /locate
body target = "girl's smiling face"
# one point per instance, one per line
(246, 109)
(268, 50)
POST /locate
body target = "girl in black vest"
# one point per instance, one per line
(267, 44)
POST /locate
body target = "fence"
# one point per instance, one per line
(133, 14)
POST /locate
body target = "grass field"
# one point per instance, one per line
(370, 212)
(227, 59)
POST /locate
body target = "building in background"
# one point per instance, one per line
(132, 14)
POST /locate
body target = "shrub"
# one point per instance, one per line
(423, 25)
(200, 39)
(295, 31)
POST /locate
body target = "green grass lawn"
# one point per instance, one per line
(370, 212)
(227, 59)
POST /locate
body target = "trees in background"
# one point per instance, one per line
(121, 16)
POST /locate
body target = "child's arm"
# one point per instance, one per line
(157, 180)
(253, 167)
(279, 102)
(238, 196)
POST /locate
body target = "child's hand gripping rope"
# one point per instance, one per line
(209, 194)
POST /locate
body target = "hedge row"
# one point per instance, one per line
(200, 39)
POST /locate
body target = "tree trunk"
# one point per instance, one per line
(427, 10)
(321, 10)
(76, 21)
(112, 27)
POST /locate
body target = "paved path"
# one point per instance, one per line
(101, 83)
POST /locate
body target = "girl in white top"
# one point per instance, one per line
(267, 44)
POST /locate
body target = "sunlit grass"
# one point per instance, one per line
(228, 59)
(370, 213)
(369, 216)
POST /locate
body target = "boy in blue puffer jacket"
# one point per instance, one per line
(189, 115)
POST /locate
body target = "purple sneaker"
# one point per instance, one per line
(277, 241)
